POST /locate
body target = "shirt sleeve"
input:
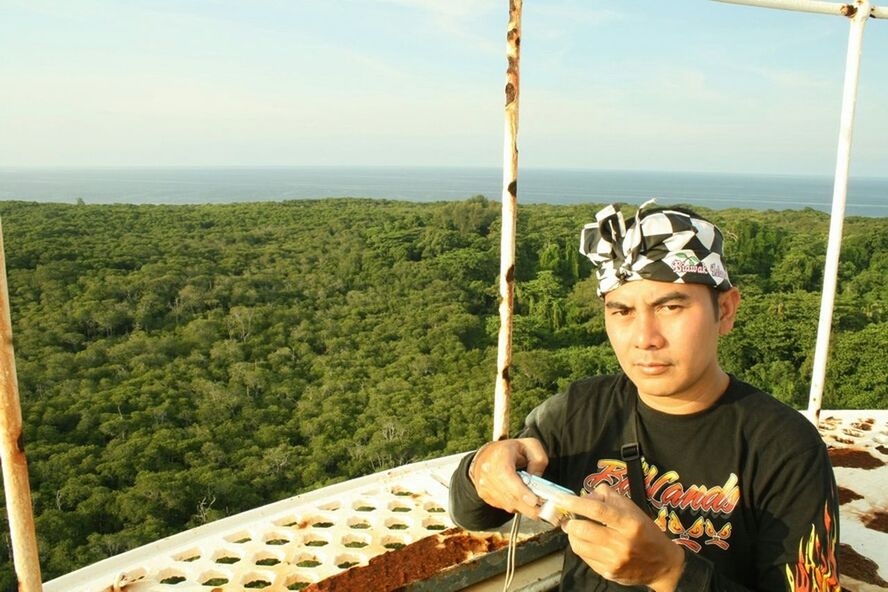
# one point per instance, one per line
(467, 509)
(799, 525)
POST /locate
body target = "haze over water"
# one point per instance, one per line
(150, 185)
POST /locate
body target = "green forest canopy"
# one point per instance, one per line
(178, 364)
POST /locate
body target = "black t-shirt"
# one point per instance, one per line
(745, 486)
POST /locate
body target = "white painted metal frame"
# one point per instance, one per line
(858, 12)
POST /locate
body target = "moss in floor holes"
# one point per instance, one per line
(346, 564)
(268, 561)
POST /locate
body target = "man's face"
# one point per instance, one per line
(666, 337)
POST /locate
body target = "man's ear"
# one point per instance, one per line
(728, 303)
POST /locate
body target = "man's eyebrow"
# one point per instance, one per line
(616, 305)
(671, 297)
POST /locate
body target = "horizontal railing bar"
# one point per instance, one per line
(815, 6)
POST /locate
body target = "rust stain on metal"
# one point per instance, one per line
(505, 374)
(856, 459)
(849, 10)
(847, 495)
(415, 562)
(859, 566)
(20, 442)
(510, 274)
(865, 424)
(513, 188)
(877, 521)
(511, 93)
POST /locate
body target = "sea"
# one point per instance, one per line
(867, 196)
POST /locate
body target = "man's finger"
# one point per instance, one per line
(513, 494)
(598, 507)
(586, 530)
(589, 541)
(535, 455)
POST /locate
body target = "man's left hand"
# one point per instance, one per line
(620, 542)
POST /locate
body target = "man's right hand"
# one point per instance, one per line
(492, 472)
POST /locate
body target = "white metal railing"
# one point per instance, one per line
(815, 6)
(859, 12)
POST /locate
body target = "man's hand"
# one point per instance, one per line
(492, 472)
(621, 543)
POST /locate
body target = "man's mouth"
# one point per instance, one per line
(653, 368)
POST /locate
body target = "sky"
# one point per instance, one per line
(678, 85)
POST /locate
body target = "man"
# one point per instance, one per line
(733, 490)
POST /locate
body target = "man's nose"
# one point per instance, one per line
(647, 332)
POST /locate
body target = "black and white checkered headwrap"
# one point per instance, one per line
(663, 245)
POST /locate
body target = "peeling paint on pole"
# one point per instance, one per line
(502, 395)
(15, 466)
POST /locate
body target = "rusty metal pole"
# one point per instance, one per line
(12, 452)
(503, 393)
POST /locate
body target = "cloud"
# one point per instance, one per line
(803, 81)
(452, 9)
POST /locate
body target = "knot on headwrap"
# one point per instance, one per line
(662, 245)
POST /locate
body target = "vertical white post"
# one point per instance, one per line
(503, 392)
(15, 467)
(837, 217)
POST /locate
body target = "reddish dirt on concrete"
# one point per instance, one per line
(853, 458)
(417, 561)
(847, 496)
(855, 565)
(877, 521)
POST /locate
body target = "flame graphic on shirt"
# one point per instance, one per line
(816, 570)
